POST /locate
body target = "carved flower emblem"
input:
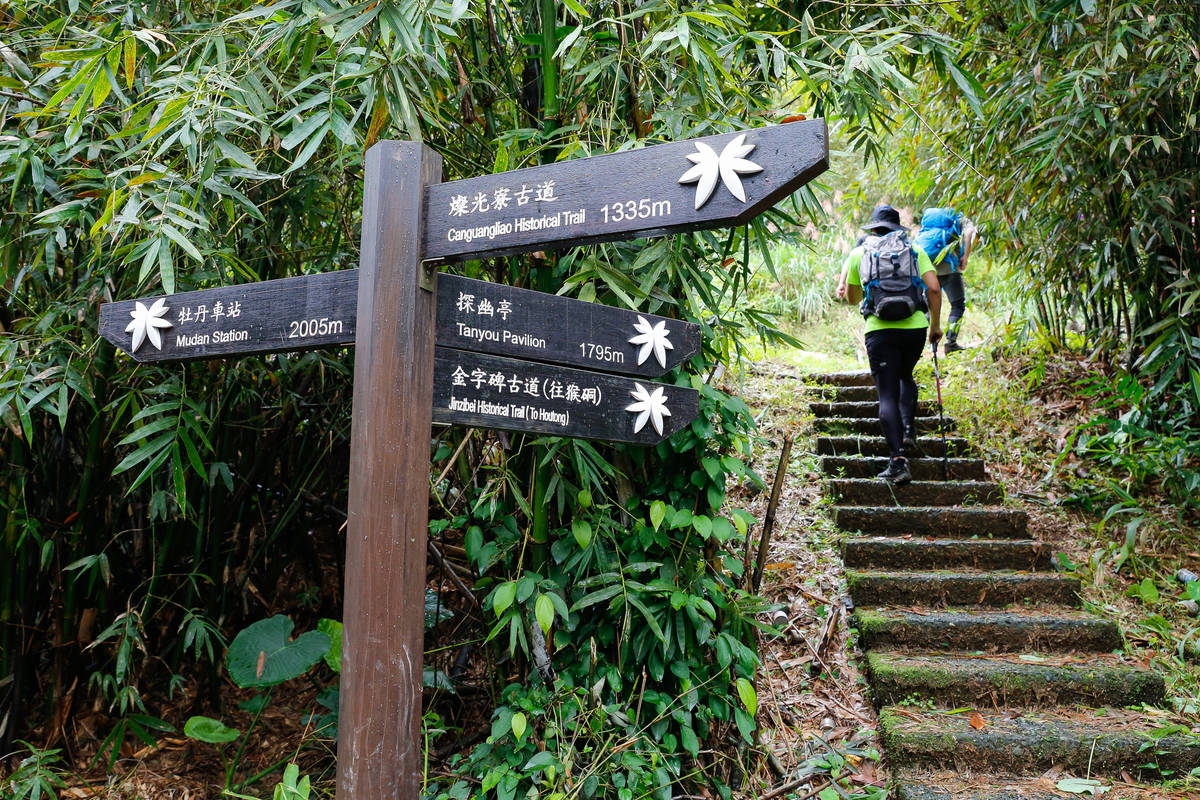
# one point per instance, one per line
(146, 322)
(650, 406)
(729, 166)
(652, 339)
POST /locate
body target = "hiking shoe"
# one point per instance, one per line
(910, 438)
(896, 472)
(952, 346)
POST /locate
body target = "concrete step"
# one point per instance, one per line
(869, 426)
(972, 785)
(928, 446)
(875, 492)
(1045, 630)
(1093, 741)
(854, 378)
(870, 409)
(938, 521)
(953, 680)
(885, 552)
(922, 469)
(935, 588)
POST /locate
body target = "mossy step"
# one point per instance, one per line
(869, 426)
(847, 394)
(875, 492)
(889, 552)
(853, 378)
(1044, 631)
(935, 588)
(942, 522)
(971, 785)
(1012, 680)
(1097, 741)
(929, 446)
(869, 408)
(922, 469)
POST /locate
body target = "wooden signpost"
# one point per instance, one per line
(442, 348)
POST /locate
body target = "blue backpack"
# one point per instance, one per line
(939, 236)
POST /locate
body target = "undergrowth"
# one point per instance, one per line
(1118, 498)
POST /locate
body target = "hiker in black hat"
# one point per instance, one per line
(897, 288)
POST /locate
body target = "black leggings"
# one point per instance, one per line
(893, 353)
(954, 291)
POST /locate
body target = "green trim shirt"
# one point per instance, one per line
(919, 319)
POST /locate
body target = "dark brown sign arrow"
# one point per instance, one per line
(495, 392)
(266, 317)
(519, 323)
(714, 181)
(319, 310)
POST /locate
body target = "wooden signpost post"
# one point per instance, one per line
(445, 349)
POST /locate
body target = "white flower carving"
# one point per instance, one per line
(146, 322)
(649, 406)
(652, 338)
(729, 166)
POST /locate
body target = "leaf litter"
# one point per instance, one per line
(817, 726)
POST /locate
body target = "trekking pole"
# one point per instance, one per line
(937, 377)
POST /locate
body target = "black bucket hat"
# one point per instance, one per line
(884, 218)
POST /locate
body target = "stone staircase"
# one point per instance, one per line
(989, 678)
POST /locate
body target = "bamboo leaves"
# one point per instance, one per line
(168, 432)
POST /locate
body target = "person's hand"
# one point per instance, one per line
(842, 288)
(935, 334)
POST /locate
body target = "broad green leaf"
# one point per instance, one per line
(658, 512)
(687, 738)
(504, 596)
(1088, 786)
(206, 729)
(582, 532)
(539, 762)
(519, 725)
(262, 655)
(333, 629)
(543, 611)
(748, 696)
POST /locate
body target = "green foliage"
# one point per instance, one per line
(1083, 169)
(292, 786)
(333, 629)
(36, 777)
(261, 656)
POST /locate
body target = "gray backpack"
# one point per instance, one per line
(892, 286)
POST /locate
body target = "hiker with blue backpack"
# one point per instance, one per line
(897, 288)
(947, 237)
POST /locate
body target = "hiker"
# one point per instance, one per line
(900, 286)
(947, 237)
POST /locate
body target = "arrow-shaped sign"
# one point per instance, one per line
(710, 182)
(310, 311)
(494, 392)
